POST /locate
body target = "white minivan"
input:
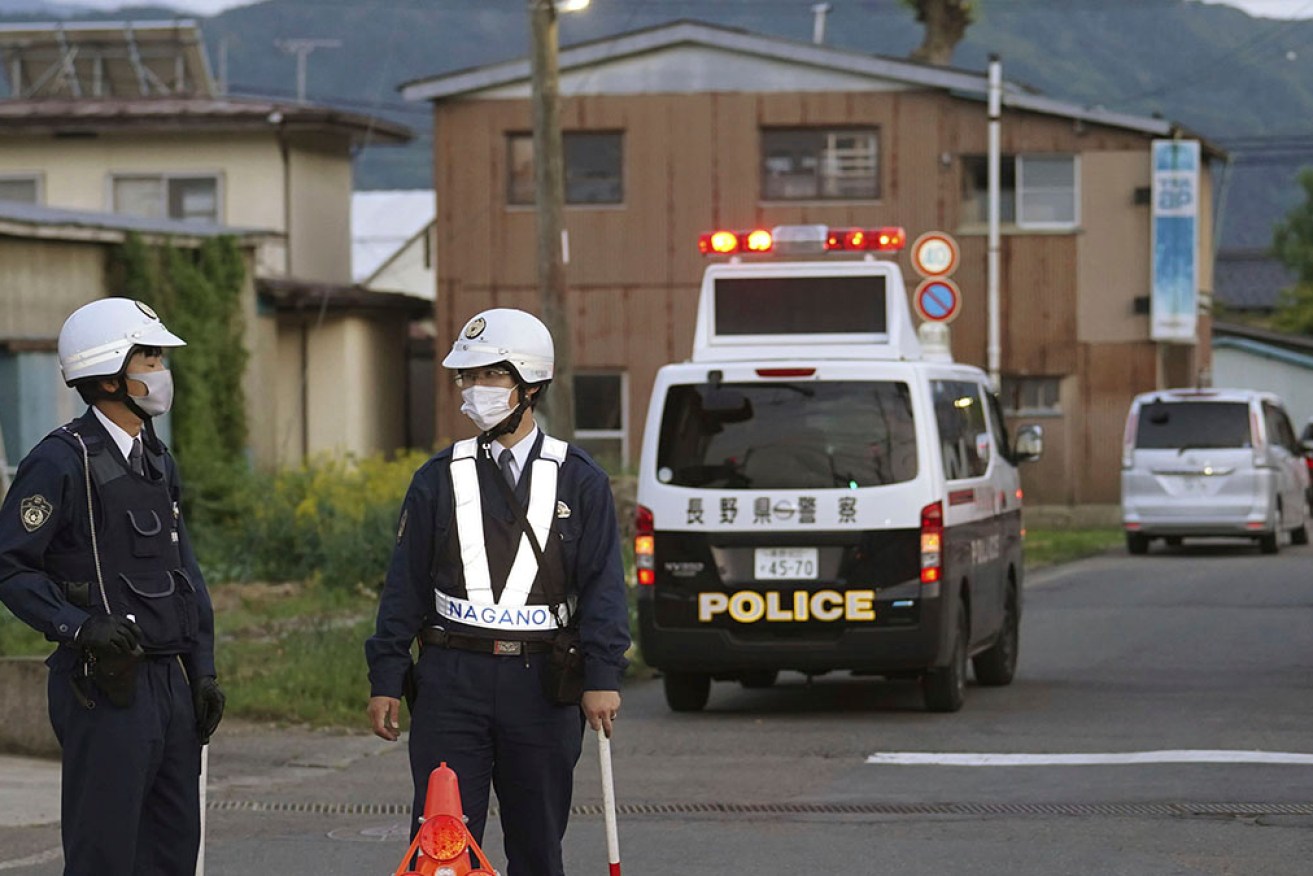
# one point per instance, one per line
(1212, 462)
(817, 492)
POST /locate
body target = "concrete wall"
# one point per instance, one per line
(319, 229)
(23, 702)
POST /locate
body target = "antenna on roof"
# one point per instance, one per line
(302, 47)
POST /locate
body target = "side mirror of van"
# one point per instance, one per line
(1029, 445)
(1308, 447)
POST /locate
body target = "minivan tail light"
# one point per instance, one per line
(1128, 439)
(932, 543)
(645, 545)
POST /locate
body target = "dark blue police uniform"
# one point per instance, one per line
(130, 771)
(486, 714)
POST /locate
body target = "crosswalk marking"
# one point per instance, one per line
(970, 759)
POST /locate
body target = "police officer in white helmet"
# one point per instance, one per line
(507, 569)
(94, 554)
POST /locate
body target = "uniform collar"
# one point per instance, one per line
(122, 440)
(522, 450)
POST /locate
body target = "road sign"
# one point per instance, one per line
(935, 254)
(937, 300)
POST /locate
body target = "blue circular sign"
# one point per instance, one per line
(937, 300)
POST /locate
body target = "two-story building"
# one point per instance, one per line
(126, 119)
(676, 130)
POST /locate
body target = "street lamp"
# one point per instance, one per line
(549, 197)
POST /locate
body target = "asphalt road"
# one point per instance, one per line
(1202, 652)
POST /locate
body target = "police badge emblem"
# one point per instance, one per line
(476, 327)
(34, 512)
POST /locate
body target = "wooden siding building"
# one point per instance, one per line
(674, 131)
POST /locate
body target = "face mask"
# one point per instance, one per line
(159, 391)
(487, 405)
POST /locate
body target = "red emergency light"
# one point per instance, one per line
(730, 242)
(888, 239)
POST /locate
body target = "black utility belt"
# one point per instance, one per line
(481, 644)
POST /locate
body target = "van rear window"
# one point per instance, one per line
(806, 435)
(1176, 425)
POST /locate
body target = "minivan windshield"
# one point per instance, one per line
(803, 435)
(1179, 425)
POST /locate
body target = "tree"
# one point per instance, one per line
(945, 24)
(1292, 242)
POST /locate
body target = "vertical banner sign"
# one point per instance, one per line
(1175, 269)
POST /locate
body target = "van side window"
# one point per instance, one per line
(964, 438)
(1279, 430)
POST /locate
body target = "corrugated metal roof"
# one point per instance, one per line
(382, 223)
(1250, 279)
(597, 52)
(34, 220)
(23, 117)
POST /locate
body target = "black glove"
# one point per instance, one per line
(107, 635)
(208, 699)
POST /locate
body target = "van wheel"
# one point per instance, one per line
(1299, 535)
(996, 666)
(759, 679)
(1137, 543)
(1270, 542)
(945, 688)
(687, 691)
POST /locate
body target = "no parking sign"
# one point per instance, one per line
(937, 300)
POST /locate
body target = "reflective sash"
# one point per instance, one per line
(469, 525)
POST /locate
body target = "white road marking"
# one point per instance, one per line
(32, 860)
(934, 758)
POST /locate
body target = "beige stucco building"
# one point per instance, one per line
(324, 362)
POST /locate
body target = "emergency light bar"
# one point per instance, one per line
(803, 239)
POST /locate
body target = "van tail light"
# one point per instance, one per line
(645, 546)
(1256, 438)
(932, 543)
(1128, 439)
(1308, 463)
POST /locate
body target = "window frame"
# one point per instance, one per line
(607, 434)
(621, 175)
(38, 180)
(166, 178)
(1020, 190)
(1004, 396)
(822, 130)
(1016, 193)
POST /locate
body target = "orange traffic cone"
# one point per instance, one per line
(444, 842)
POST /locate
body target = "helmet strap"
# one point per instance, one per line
(512, 421)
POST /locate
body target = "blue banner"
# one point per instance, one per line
(1175, 269)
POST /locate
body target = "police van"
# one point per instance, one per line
(819, 490)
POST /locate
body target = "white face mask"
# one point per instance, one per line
(159, 391)
(487, 405)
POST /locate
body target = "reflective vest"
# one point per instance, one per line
(514, 599)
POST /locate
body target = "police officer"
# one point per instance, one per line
(93, 553)
(497, 595)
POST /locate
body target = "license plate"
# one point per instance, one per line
(791, 564)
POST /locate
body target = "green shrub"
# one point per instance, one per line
(332, 520)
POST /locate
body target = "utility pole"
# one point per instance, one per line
(994, 344)
(549, 187)
(302, 47)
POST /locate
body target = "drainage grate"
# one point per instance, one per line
(1078, 810)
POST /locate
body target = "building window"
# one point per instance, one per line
(594, 168)
(601, 406)
(1031, 396)
(23, 188)
(1035, 191)
(817, 164)
(189, 198)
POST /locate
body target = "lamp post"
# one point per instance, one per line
(549, 198)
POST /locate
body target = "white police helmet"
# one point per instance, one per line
(505, 335)
(97, 337)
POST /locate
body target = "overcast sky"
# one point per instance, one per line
(1265, 8)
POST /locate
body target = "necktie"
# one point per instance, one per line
(506, 462)
(135, 459)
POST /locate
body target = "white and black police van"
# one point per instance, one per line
(819, 493)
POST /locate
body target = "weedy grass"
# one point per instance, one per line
(1050, 547)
